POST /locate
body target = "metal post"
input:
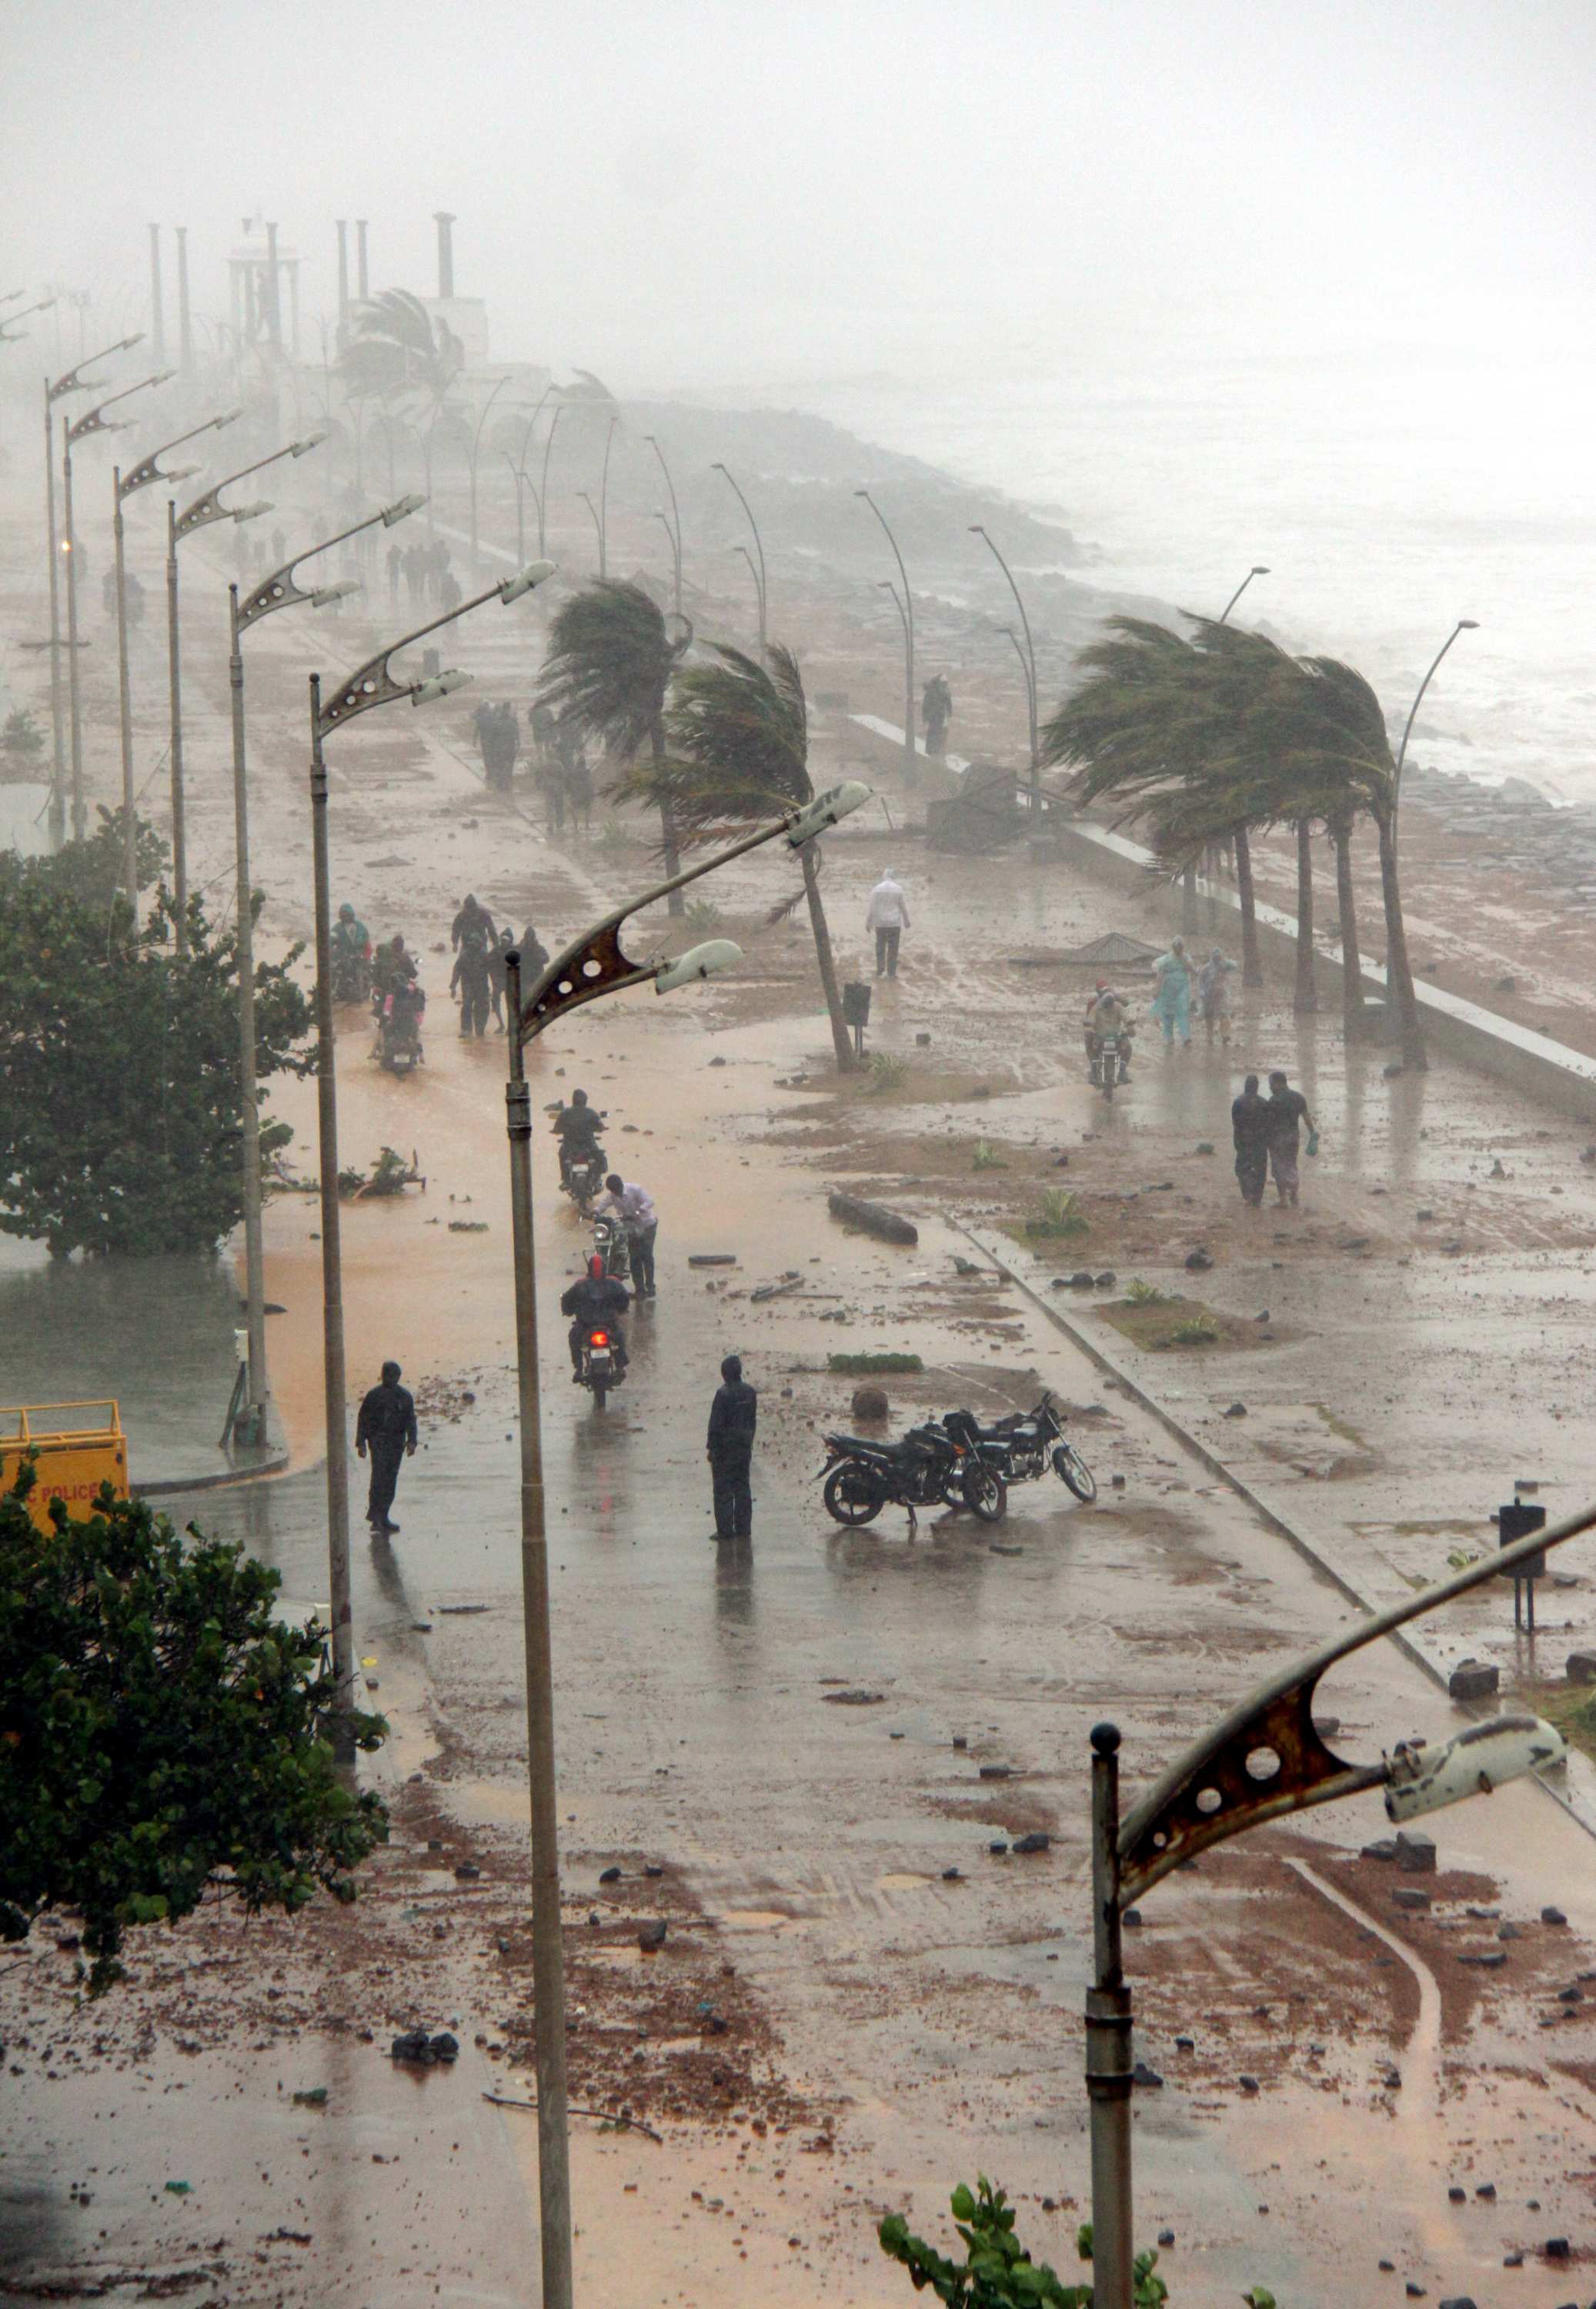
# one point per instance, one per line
(333, 1364)
(548, 1958)
(185, 319)
(1108, 2042)
(977, 530)
(254, 1419)
(910, 751)
(343, 277)
(130, 848)
(158, 326)
(57, 734)
(362, 277)
(543, 492)
(174, 689)
(71, 646)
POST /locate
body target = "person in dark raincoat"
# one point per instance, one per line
(385, 1431)
(1251, 1123)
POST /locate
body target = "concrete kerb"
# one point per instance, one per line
(1579, 1803)
(274, 1462)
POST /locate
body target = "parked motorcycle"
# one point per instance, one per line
(613, 1245)
(928, 1468)
(1025, 1445)
(601, 1369)
(398, 1030)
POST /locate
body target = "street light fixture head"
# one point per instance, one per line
(311, 441)
(1424, 1779)
(177, 474)
(1468, 625)
(340, 592)
(401, 508)
(524, 580)
(698, 962)
(426, 692)
(228, 417)
(1259, 569)
(825, 809)
(252, 512)
(127, 344)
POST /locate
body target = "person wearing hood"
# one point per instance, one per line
(1172, 1003)
(734, 1415)
(888, 914)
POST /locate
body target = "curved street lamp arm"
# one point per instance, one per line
(148, 468)
(1170, 1823)
(594, 963)
(481, 421)
(887, 587)
(9, 319)
(754, 525)
(898, 558)
(279, 590)
(1463, 625)
(72, 380)
(207, 507)
(670, 488)
(1259, 569)
(978, 530)
(372, 684)
(93, 420)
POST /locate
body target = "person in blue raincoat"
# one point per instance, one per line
(1172, 1003)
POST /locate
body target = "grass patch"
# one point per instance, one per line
(703, 916)
(1161, 1322)
(1142, 1294)
(986, 1157)
(1060, 1215)
(1572, 1708)
(867, 1366)
(887, 1071)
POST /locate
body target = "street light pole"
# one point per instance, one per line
(205, 509)
(977, 529)
(279, 590)
(604, 500)
(82, 428)
(758, 547)
(1399, 970)
(1463, 625)
(598, 528)
(1258, 569)
(675, 524)
(475, 445)
(523, 482)
(370, 685)
(559, 409)
(910, 751)
(591, 966)
(124, 485)
(753, 567)
(1265, 1759)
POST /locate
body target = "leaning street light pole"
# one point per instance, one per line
(370, 685)
(1399, 970)
(83, 429)
(910, 751)
(1463, 625)
(124, 485)
(977, 528)
(758, 547)
(591, 966)
(279, 590)
(675, 524)
(1258, 569)
(72, 380)
(1262, 1761)
(206, 508)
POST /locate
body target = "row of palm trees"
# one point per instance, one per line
(1205, 738)
(710, 746)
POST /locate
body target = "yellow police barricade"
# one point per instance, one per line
(79, 1446)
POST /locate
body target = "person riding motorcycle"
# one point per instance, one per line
(351, 944)
(595, 1301)
(396, 994)
(1107, 1013)
(578, 1128)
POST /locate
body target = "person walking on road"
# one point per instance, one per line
(888, 914)
(386, 1431)
(636, 1211)
(1214, 995)
(936, 711)
(1287, 1108)
(1250, 1126)
(734, 1415)
(1172, 1003)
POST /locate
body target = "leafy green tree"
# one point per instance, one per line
(90, 870)
(738, 735)
(162, 1733)
(21, 741)
(120, 1110)
(609, 666)
(397, 354)
(998, 2272)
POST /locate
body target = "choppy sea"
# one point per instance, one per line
(1389, 496)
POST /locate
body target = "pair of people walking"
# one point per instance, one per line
(1267, 1136)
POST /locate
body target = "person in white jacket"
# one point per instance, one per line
(888, 916)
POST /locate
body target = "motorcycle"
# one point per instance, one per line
(398, 1031)
(601, 1369)
(351, 974)
(1110, 1061)
(613, 1246)
(1025, 1445)
(583, 1179)
(928, 1468)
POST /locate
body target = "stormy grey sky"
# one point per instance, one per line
(719, 193)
